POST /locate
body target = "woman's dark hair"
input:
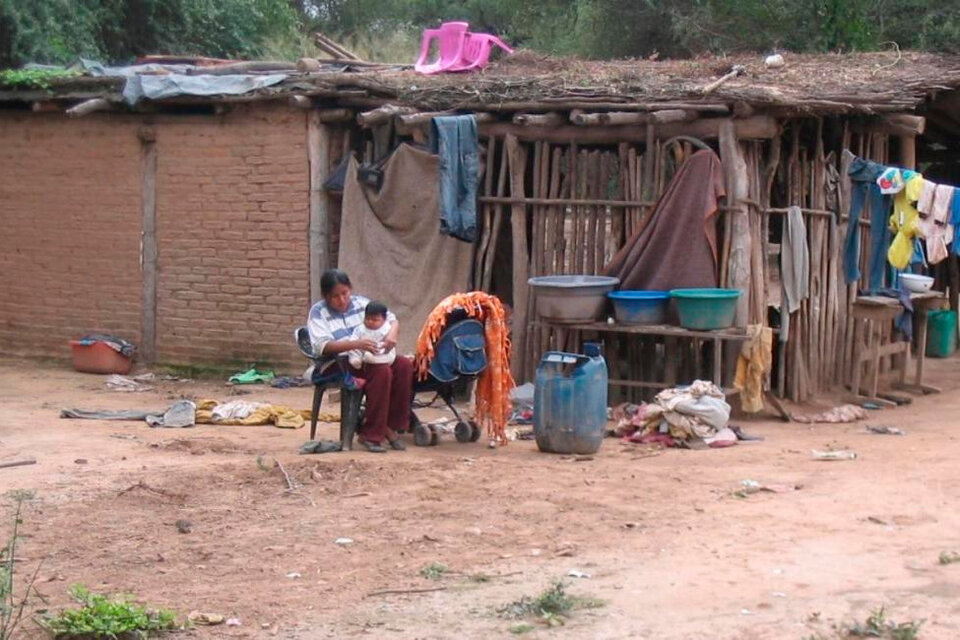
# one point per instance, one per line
(375, 308)
(330, 279)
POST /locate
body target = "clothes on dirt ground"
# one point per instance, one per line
(98, 414)
(358, 358)
(328, 325)
(695, 416)
(865, 192)
(678, 245)
(753, 365)
(117, 344)
(389, 392)
(320, 446)
(494, 384)
(841, 414)
(251, 376)
(794, 268)
(288, 382)
(904, 222)
(454, 140)
(116, 382)
(247, 413)
(391, 245)
(178, 415)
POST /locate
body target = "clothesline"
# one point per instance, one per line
(902, 202)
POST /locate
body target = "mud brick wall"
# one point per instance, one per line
(231, 226)
(69, 230)
(232, 236)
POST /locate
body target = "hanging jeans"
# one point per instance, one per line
(454, 139)
(865, 190)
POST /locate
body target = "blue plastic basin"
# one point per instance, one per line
(640, 307)
(706, 309)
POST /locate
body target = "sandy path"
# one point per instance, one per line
(695, 562)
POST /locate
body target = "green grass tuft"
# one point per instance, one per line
(103, 617)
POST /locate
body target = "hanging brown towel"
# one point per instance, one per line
(678, 246)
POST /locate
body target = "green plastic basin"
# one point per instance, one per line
(706, 309)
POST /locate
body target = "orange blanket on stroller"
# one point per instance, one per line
(496, 381)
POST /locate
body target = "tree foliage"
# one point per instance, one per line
(57, 31)
(60, 31)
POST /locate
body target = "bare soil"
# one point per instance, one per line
(667, 545)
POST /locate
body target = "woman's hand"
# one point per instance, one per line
(370, 346)
(390, 340)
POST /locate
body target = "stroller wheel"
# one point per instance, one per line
(414, 422)
(475, 431)
(434, 436)
(463, 432)
(423, 436)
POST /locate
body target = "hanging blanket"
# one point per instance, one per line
(678, 246)
(390, 240)
(495, 383)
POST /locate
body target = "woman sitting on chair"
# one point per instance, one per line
(388, 389)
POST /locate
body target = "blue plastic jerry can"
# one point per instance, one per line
(570, 401)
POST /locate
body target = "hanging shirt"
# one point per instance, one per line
(904, 222)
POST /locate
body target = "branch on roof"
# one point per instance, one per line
(89, 106)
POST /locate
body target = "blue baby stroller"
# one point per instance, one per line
(459, 357)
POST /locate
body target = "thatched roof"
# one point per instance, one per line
(822, 84)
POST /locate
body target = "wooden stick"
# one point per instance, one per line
(17, 463)
(521, 261)
(551, 119)
(581, 119)
(602, 191)
(89, 106)
(384, 592)
(555, 220)
(497, 220)
(756, 127)
(334, 48)
(286, 476)
(486, 212)
(713, 86)
(590, 233)
(381, 115)
(535, 211)
(328, 116)
(300, 102)
(424, 118)
(673, 115)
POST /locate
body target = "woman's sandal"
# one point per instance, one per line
(397, 445)
(372, 447)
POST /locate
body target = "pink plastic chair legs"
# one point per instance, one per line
(450, 38)
(459, 50)
(476, 51)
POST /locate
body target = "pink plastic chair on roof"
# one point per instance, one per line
(476, 51)
(450, 38)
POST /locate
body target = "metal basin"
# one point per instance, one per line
(572, 298)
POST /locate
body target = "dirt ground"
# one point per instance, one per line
(668, 547)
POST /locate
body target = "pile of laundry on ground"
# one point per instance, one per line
(185, 413)
(694, 417)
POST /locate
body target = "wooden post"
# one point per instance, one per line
(318, 156)
(908, 151)
(148, 245)
(521, 264)
(735, 181)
